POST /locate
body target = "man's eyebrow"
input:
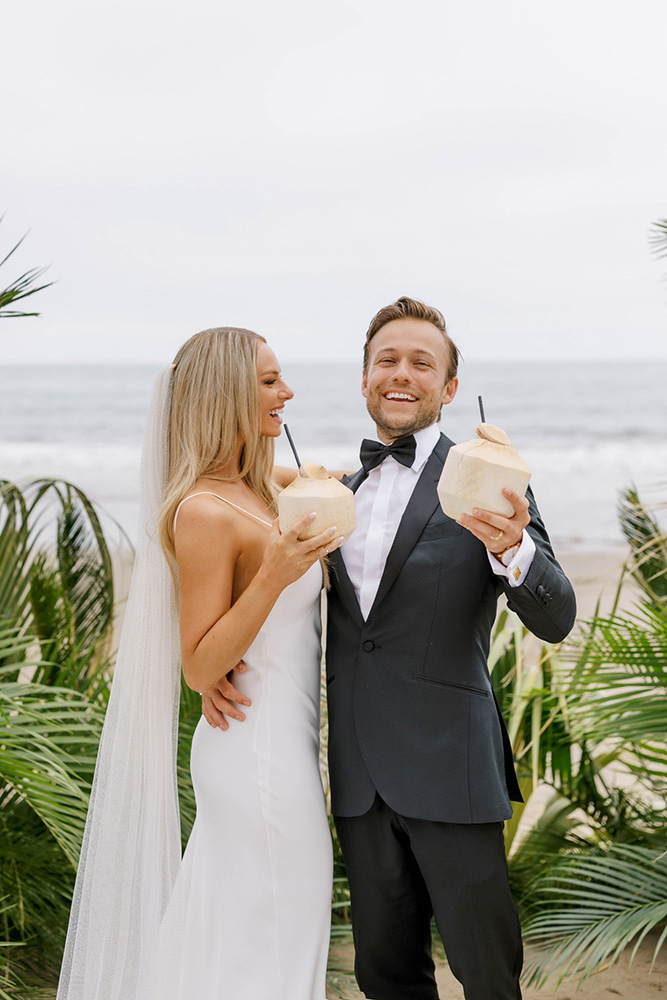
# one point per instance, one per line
(417, 350)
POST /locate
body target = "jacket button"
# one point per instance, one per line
(539, 590)
(368, 645)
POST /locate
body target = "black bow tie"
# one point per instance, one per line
(373, 453)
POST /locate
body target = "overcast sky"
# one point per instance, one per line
(293, 166)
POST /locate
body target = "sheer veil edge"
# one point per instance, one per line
(131, 850)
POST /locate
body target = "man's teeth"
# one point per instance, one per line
(401, 395)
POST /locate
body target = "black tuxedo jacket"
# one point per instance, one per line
(412, 714)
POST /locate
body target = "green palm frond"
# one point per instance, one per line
(36, 880)
(56, 605)
(189, 716)
(22, 287)
(605, 901)
(56, 579)
(48, 747)
(530, 682)
(648, 546)
(624, 678)
(658, 238)
(14, 554)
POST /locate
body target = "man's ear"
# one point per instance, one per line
(449, 391)
(364, 384)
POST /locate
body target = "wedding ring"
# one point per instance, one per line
(326, 551)
(494, 538)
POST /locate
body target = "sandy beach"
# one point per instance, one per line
(626, 981)
(595, 575)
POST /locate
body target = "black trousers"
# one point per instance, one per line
(404, 871)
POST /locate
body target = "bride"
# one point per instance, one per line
(245, 915)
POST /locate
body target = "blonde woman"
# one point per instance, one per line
(252, 893)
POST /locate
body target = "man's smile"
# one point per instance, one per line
(400, 396)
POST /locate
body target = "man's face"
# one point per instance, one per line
(406, 381)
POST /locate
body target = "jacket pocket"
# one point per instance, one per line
(447, 528)
(481, 692)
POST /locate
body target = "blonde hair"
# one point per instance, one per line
(214, 399)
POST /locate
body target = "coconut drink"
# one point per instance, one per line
(476, 472)
(315, 490)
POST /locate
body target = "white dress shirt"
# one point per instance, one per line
(380, 503)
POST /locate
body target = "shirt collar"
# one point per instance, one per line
(426, 439)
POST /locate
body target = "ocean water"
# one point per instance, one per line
(586, 430)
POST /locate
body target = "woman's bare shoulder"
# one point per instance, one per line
(199, 520)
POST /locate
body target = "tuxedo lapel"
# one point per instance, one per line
(343, 583)
(420, 508)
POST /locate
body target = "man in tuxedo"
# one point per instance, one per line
(421, 766)
(420, 761)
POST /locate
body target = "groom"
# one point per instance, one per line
(420, 761)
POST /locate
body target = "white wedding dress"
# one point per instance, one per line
(253, 897)
(245, 915)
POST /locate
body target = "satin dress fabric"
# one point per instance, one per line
(253, 899)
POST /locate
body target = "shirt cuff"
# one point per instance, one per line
(516, 572)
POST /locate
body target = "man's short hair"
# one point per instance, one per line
(407, 308)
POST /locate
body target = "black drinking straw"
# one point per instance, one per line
(292, 446)
(481, 412)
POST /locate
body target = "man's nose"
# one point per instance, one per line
(402, 372)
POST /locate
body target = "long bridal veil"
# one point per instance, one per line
(131, 847)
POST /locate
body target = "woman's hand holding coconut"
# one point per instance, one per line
(290, 554)
(286, 558)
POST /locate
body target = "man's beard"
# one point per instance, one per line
(424, 417)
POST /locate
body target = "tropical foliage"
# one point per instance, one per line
(592, 873)
(658, 238)
(21, 287)
(587, 723)
(56, 613)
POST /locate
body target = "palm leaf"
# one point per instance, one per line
(605, 901)
(529, 680)
(48, 747)
(22, 287)
(189, 716)
(14, 554)
(658, 238)
(648, 546)
(58, 583)
(37, 881)
(624, 678)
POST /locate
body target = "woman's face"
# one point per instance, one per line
(273, 391)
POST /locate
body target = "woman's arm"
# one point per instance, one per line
(215, 633)
(339, 473)
(283, 475)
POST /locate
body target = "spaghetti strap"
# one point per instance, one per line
(208, 493)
